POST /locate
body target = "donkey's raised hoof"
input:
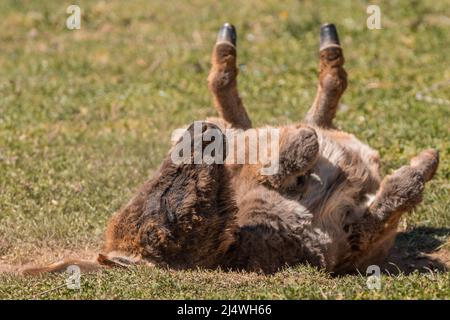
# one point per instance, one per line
(328, 36)
(227, 33)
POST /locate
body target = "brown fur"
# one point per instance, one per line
(327, 205)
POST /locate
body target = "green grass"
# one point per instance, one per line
(301, 282)
(86, 116)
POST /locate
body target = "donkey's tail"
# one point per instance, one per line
(100, 262)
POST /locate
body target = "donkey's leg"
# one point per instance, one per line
(402, 191)
(371, 235)
(297, 154)
(273, 233)
(222, 79)
(332, 79)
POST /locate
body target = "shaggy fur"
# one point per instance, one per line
(326, 206)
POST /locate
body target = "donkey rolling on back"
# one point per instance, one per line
(327, 205)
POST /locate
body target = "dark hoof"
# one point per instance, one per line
(227, 33)
(328, 36)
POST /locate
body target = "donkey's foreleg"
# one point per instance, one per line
(297, 154)
(222, 79)
(332, 79)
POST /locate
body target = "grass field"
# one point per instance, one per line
(86, 116)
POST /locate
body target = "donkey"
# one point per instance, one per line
(327, 204)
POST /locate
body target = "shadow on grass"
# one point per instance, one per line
(419, 249)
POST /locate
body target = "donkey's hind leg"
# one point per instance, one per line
(222, 79)
(332, 79)
(371, 235)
